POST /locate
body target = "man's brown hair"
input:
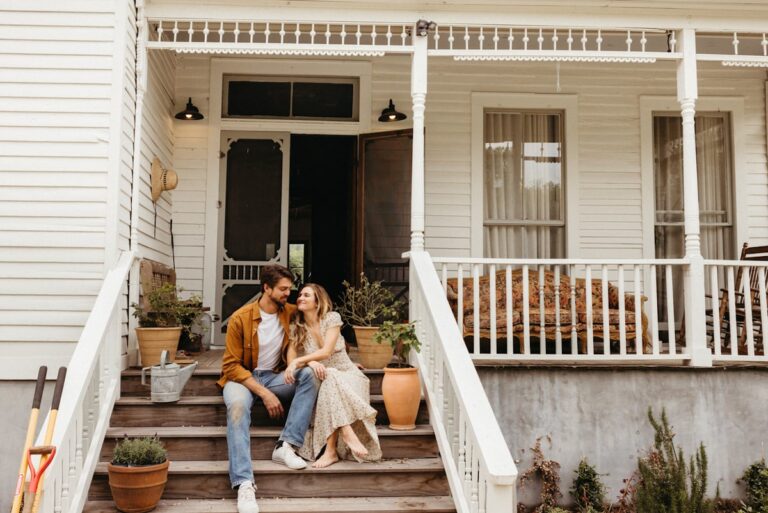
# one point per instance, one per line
(273, 273)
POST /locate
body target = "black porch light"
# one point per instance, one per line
(390, 114)
(191, 113)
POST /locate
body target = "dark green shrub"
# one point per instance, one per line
(667, 483)
(756, 480)
(587, 491)
(136, 452)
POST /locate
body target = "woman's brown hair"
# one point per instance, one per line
(324, 305)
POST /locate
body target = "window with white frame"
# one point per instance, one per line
(523, 184)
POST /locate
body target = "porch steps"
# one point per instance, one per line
(410, 479)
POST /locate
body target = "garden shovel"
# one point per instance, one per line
(18, 498)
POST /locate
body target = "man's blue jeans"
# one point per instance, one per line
(301, 397)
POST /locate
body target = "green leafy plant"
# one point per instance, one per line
(137, 452)
(167, 309)
(667, 483)
(587, 491)
(370, 304)
(402, 337)
(756, 480)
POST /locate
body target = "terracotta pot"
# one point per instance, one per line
(153, 341)
(137, 489)
(402, 395)
(371, 354)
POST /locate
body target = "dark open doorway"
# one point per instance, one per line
(321, 213)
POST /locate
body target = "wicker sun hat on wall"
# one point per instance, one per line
(163, 179)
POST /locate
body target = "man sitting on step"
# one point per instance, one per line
(254, 358)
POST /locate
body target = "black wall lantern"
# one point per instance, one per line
(190, 113)
(390, 114)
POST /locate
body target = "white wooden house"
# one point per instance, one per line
(615, 146)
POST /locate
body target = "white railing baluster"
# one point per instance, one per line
(622, 313)
(606, 311)
(734, 336)
(763, 308)
(460, 293)
(670, 309)
(747, 290)
(654, 311)
(574, 318)
(526, 312)
(542, 314)
(590, 319)
(492, 285)
(558, 335)
(715, 305)
(510, 327)
(476, 308)
(638, 311)
(444, 276)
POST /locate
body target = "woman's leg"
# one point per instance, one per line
(353, 442)
(330, 456)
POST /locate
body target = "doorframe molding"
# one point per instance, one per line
(217, 125)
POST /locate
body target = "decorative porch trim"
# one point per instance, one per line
(237, 37)
(554, 57)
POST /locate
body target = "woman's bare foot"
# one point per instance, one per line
(353, 442)
(326, 460)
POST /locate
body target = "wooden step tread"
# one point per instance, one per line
(208, 371)
(269, 467)
(437, 504)
(197, 400)
(221, 431)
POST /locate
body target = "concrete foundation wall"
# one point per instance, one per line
(16, 401)
(601, 414)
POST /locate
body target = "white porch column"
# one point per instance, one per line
(687, 93)
(418, 97)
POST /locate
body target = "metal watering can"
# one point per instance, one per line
(168, 379)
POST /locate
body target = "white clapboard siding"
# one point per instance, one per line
(56, 88)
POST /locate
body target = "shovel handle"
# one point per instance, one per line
(59, 388)
(39, 387)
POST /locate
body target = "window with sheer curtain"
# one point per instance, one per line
(715, 181)
(523, 181)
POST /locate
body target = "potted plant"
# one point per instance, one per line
(138, 473)
(365, 308)
(401, 387)
(162, 322)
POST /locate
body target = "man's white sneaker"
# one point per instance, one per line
(246, 499)
(285, 454)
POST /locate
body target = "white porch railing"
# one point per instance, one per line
(90, 391)
(634, 311)
(480, 469)
(737, 310)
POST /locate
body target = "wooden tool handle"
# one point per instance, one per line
(59, 388)
(38, 397)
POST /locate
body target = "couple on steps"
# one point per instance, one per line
(293, 358)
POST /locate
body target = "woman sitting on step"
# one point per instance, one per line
(344, 421)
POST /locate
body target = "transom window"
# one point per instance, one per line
(317, 98)
(523, 196)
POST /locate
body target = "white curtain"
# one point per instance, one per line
(523, 185)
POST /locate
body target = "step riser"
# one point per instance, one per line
(216, 486)
(166, 415)
(206, 385)
(215, 449)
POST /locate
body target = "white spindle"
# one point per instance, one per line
(599, 40)
(763, 308)
(221, 31)
(510, 306)
(495, 38)
(570, 39)
(525, 38)
(327, 34)
(654, 311)
(715, 305)
(297, 33)
(466, 38)
(588, 294)
(735, 43)
(403, 36)
(558, 335)
(160, 31)
(474, 499)
(451, 39)
(460, 309)
(481, 38)
(444, 278)
(175, 31)
(629, 41)
(584, 40)
(542, 314)
(643, 42)
(252, 33)
(606, 306)
(670, 309)
(268, 32)
(638, 311)
(622, 313)
(358, 35)
(476, 307)
(492, 283)
(574, 319)
(191, 30)
(511, 39)
(282, 34)
(540, 39)
(747, 290)
(764, 44)
(526, 312)
(237, 32)
(734, 336)
(555, 39)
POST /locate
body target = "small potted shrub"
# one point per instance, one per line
(365, 308)
(162, 322)
(401, 387)
(138, 473)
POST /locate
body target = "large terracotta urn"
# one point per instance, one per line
(402, 394)
(137, 489)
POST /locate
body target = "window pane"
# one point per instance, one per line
(323, 100)
(523, 185)
(259, 99)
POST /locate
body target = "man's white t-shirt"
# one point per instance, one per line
(271, 334)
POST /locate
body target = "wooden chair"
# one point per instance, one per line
(153, 275)
(756, 254)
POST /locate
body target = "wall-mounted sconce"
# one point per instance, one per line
(191, 113)
(390, 114)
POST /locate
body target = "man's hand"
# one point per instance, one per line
(319, 369)
(273, 404)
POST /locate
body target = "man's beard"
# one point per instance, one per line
(277, 302)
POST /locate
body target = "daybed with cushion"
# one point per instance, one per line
(568, 321)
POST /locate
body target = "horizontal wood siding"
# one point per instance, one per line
(56, 74)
